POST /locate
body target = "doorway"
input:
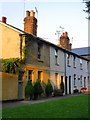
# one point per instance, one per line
(66, 85)
(20, 89)
(69, 84)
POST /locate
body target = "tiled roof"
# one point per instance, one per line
(82, 51)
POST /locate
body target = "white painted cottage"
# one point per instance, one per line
(77, 72)
(57, 66)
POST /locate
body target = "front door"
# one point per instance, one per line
(69, 84)
(20, 90)
(65, 85)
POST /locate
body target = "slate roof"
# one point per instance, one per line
(82, 51)
(66, 51)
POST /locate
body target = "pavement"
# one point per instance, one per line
(22, 103)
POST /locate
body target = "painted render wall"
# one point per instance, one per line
(89, 75)
(10, 42)
(60, 68)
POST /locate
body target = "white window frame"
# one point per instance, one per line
(75, 81)
(68, 60)
(56, 57)
(81, 64)
(74, 61)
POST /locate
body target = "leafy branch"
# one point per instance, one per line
(11, 65)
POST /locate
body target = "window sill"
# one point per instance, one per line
(57, 64)
(74, 66)
(40, 60)
(81, 68)
(75, 87)
(69, 65)
(20, 81)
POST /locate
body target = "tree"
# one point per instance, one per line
(87, 3)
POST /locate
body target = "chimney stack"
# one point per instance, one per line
(4, 19)
(64, 41)
(30, 23)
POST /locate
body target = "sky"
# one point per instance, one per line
(68, 14)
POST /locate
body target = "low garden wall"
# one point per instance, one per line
(9, 86)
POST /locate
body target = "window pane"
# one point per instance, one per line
(40, 75)
(30, 74)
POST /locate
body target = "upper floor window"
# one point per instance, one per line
(56, 56)
(40, 50)
(74, 80)
(87, 65)
(68, 59)
(81, 64)
(74, 61)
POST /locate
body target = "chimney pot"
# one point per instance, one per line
(4, 19)
(66, 34)
(32, 13)
(62, 34)
(27, 13)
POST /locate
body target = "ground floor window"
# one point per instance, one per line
(74, 80)
(88, 81)
(61, 78)
(85, 82)
(56, 79)
(30, 75)
(40, 75)
(81, 80)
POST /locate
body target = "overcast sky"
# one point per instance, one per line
(51, 15)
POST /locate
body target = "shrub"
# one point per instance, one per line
(49, 88)
(57, 92)
(43, 87)
(37, 89)
(29, 90)
(11, 65)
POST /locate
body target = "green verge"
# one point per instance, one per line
(70, 107)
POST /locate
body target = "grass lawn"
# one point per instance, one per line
(72, 107)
